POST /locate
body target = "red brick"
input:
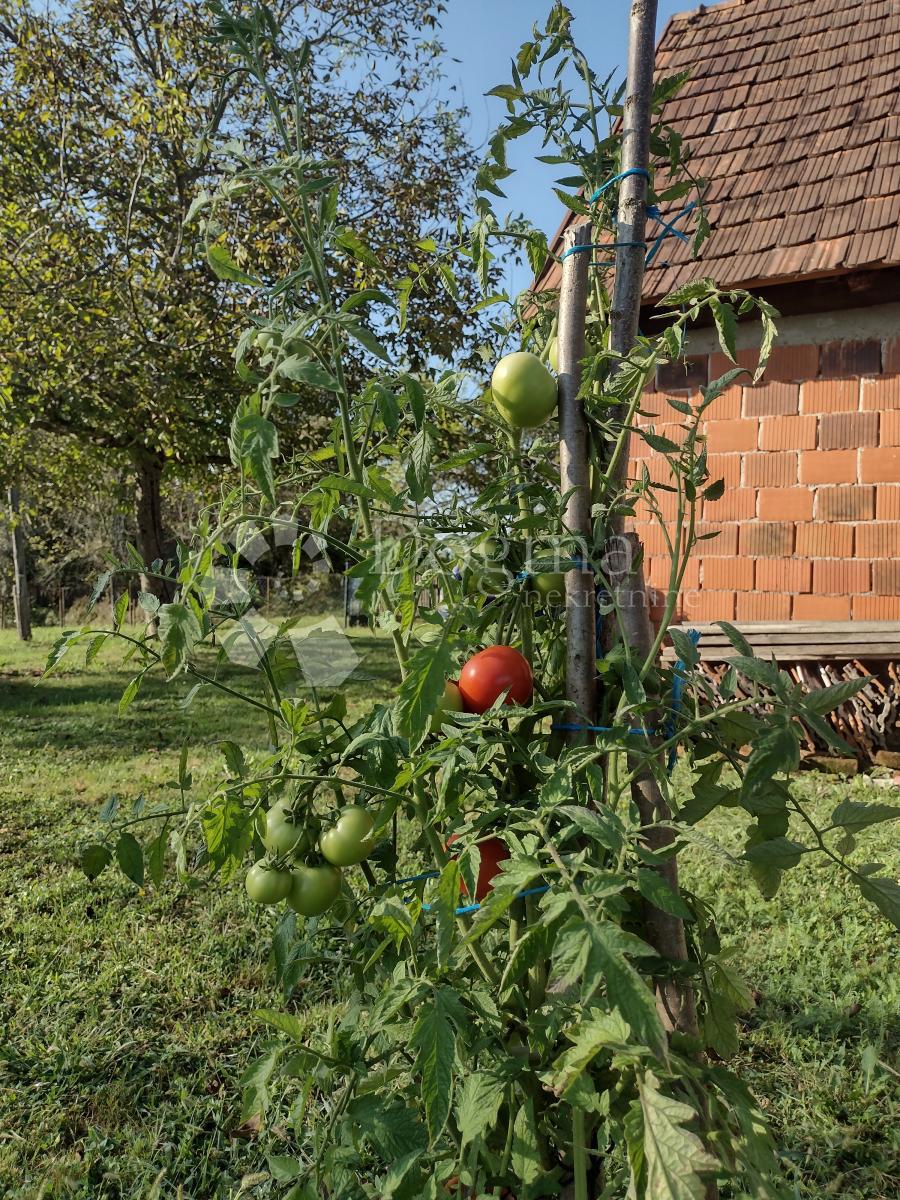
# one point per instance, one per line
(722, 573)
(787, 433)
(878, 539)
(792, 364)
(821, 608)
(773, 469)
(890, 354)
(886, 577)
(655, 405)
(785, 504)
(778, 574)
(725, 436)
(770, 539)
(771, 399)
(881, 394)
(890, 428)
(727, 467)
(841, 431)
(736, 504)
(724, 543)
(880, 465)
(651, 536)
(763, 606)
(828, 466)
(825, 540)
(726, 406)
(887, 502)
(845, 503)
(876, 608)
(833, 577)
(709, 606)
(829, 395)
(838, 360)
(719, 364)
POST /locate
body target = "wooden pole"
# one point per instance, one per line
(21, 598)
(581, 653)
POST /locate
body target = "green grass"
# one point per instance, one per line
(127, 1017)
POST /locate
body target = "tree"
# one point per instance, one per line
(114, 329)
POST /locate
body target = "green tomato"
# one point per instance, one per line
(550, 586)
(523, 389)
(485, 580)
(283, 834)
(314, 889)
(349, 840)
(451, 701)
(552, 356)
(266, 885)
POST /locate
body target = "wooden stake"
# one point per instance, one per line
(574, 474)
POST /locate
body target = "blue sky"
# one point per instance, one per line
(482, 36)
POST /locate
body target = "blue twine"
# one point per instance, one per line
(668, 225)
(669, 229)
(615, 179)
(599, 246)
(470, 908)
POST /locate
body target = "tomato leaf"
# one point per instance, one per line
(418, 695)
(226, 268)
(130, 857)
(94, 859)
(179, 632)
(674, 1155)
(434, 1039)
(479, 1103)
(884, 894)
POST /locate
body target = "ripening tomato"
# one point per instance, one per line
(349, 840)
(314, 889)
(523, 390)
(490, 673)
(493, 851)
(266, 885)
(451, 701)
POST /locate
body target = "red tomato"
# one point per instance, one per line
(493, 851)
(490, 673)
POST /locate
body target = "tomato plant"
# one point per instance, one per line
(571, 1036)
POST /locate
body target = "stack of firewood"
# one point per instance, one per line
(868, 721)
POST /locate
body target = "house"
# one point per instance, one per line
(792, 114)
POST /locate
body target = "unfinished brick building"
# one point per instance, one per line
(792, 113)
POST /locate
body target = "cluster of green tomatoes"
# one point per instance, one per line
(308, 888)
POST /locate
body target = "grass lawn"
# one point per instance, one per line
(127, 1016)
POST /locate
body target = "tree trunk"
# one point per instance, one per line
(151, 542)
(21, 598)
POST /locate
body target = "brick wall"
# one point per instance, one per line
(808, 527)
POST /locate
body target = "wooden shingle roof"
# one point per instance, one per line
(792, 116)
